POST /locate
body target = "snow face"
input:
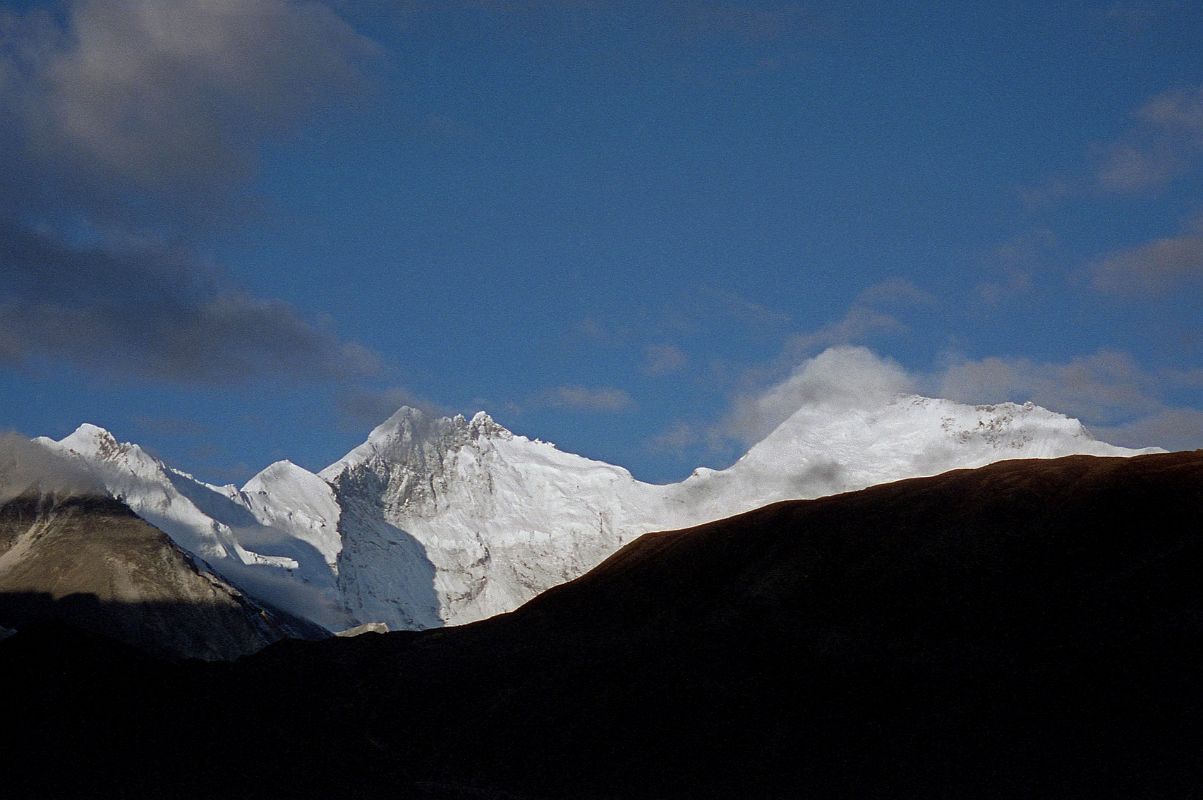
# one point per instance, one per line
(292, 499)
(445, 520)
(827, 449)
(496, 517)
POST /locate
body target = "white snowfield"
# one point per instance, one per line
(441, 521)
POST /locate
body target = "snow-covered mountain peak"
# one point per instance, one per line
(404, 418)
(282, 471)
(912, 424)
(392, 440)
(412, 439)
(121, 465)
(482, 425)
(93, 441)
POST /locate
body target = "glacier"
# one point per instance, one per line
(438, 520)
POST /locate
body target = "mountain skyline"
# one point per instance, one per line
(436, 521)
(242, 231)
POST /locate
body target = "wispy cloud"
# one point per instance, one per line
(362, 407)
(859, 323)
(1118, 399)
(1171, 428)
(736, 306)
(676, 438)
(170, 426)
(1015, 264)
(663, 359)
(608, 333)
(1050, 192)
(1152, 267)
(872, 313)
(1165, 142)
(765, 394)
(1103, 386)
(600, 399)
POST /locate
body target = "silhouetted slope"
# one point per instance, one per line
(87, 560)
(1031, 628)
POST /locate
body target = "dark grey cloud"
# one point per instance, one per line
(113, 100)
(128, 127)
(154, 312)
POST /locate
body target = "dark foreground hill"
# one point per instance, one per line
(1032, 628)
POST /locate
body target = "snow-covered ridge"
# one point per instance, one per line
(444, 520)
(260, 547)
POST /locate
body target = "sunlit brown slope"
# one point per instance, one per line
(87, 560)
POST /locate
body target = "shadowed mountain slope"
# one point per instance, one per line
(1030, 628)
(88, 561)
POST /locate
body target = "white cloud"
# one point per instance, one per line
(27, 466)
(839, 377)
(1107, 390)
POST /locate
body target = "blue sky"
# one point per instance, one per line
(242, 231)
